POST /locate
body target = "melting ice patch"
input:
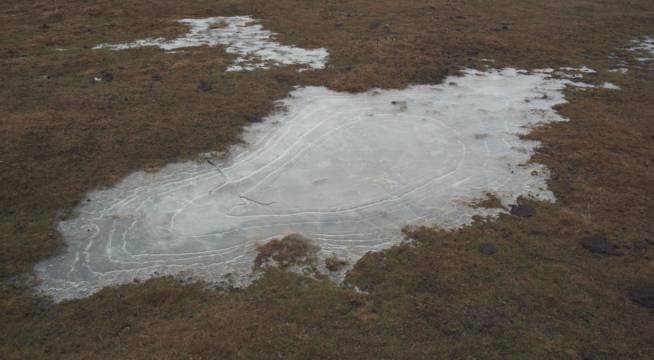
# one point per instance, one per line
(345, 170)
(241, 36)
(639, 55)
(644, 47)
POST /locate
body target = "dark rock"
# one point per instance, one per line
(156, 77)
(522, 210)
(254, 119)
(643, 295)
(598, 244)
(205, 86)
(487, 249)
(589, 355)
(106, 76)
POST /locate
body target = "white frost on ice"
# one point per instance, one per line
(242, 36)
(345, 170)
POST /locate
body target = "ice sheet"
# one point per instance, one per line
(242, 36)
(345, 170)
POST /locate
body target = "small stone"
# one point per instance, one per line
(106, 76)
(598, 244)
(254, 119)
(522, 210)
(643, 295)
(487, 249)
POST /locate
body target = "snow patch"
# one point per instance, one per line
(644, 48)
(241, 36)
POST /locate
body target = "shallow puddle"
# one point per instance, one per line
(347, 171)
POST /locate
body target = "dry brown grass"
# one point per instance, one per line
(290, 250)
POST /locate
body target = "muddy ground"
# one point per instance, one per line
(570, 281)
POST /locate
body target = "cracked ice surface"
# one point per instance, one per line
(345, 170)
(241, 36)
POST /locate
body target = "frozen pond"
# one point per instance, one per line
(345, 170)
(241, 36)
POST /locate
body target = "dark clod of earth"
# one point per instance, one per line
(522, 210)
(205, 86)
(487, 249)
(106, 76)
(643, 295)
(589, 356)
(598, 244)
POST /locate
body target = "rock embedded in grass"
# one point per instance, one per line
(205, 86)
(599, 244)
(487, 249)
(522, 210)
(643, 295)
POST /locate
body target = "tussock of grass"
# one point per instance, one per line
(291, 250)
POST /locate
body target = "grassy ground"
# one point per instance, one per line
(541, 294)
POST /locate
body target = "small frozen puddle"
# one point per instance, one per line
(242, 36)
(345, 170)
